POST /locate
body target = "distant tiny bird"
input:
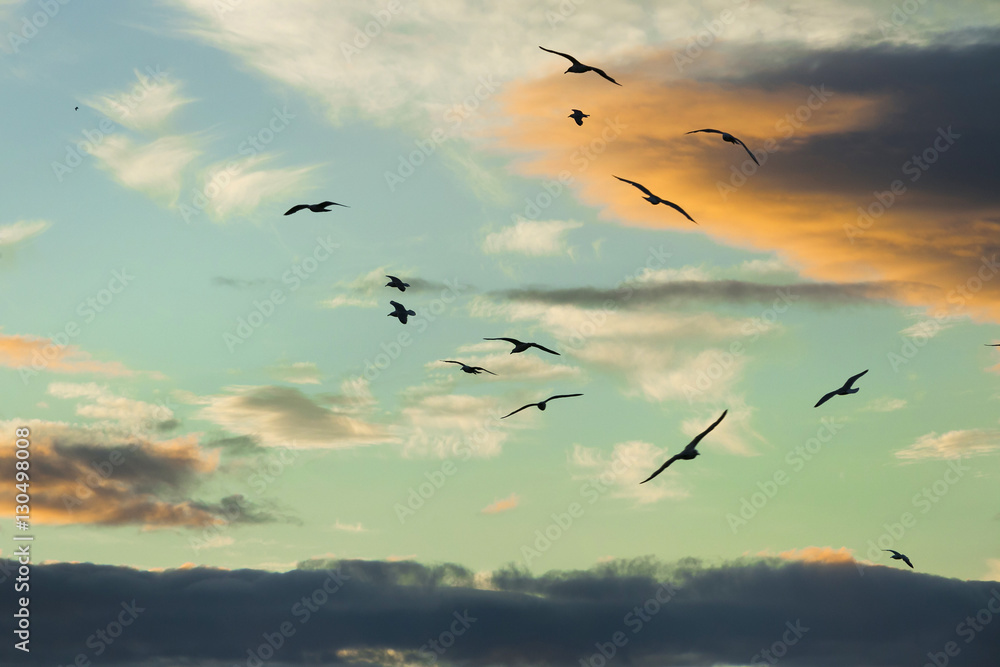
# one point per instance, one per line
(578, 116)
(521, 347)
(689, 452)
(898, 556)
(323, 207)
(401, 312)
(579, 68)
(76, 108)
(541, 406)
(730, 138)
(397, 283)
(843, 391)
(475, 370)
(653, 199)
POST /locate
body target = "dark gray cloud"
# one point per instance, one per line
(722, 291)
(725, 614)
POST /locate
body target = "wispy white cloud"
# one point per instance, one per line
(21, 231)
(101, 404)
(242, 192)
(144, 104)
(300, 372)
(628, 464)
(531, 238)
(886, 404)
(155, 168)
(952, 445)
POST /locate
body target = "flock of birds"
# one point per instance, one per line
(690, 451)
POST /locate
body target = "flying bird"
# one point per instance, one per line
(401, 312)
(653, 199)
(578, 116)
(898, 556)
(76, 108)
(689, 452)
(397, 283)
(730, 138)
(579, 68)
(323, 207)
(541, 406)
(992, 344)
(521, 347)
(843, 391)
(475, 370)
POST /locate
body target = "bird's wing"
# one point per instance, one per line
(333, 203)
(480, 368)
(297, 207)
(853, 378)
(512, 341)
(752, 156)
(392, 278)
(992, 344)
(641, 187)
(579, 121)
(660, 469)
(678, 208)
(707, 129)
(825, 399)
(542, 347)
(564, 55)
(449, 361)
(529, 405)
(398, 306)
(550, 398)
(892, 551)
(578, 111)
(697, 439)
(907, 561)
(602, 73)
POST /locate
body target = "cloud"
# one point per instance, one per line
(240, 283)
(143, 106)
(628, 464)
(886, 404)
(22, 230)
(350, 527)
(721, 614)
(300, 372)
(502, 505)
(952, 445)
(109, 409)
(531, 238)
(154, 168)
(507, 366)
(819, 555)
(32, 355)
(285, 417)
(446, 425)
(243, 192)
(365, 290)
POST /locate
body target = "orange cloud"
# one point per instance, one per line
(32, 355)
(938, 251)
(819, 555)
(508, 503)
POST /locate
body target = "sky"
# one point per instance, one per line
(236, 457)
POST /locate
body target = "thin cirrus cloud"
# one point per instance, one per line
(532, 238)
(299, 372)
(155, 168)
(830, 138)
(952, 445)
(242, 192)
(502, 505)
(144, 105)
(22, 230)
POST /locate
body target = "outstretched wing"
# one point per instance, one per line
(661, 469)
(853, 378)
(907, 561)
(398, 306)
(564, 55)
(551, 398)
(512, 341)
(529, 405)
(480, 368)
(825, 399)
(678, 208)
(633, 183)
(449, 361)
(296, 208)
(333, 203)
(602, 73)
(697, 439)
(393, 278)
(542, 347)
(707, 129)
(752, 156)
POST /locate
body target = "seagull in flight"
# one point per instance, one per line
(475, 370)
(730, 138)
(843, 391)
(521, 347)
(653, 199)
(578, 116)
(541, 406)
(689, 452)
(401, 312)
(992, 344)
(397, 283)
(323, 207)
(898, 556)
(579, 68)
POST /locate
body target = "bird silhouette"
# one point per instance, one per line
(521, 347)
(541, 406)
(578, 116)
(397, 283)
(843, 391)
(475, 370)
(689, 452)
(401, 312)
(579, 68)
(730, 138)
(653, 199)
(898, 556)
(322, 207)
